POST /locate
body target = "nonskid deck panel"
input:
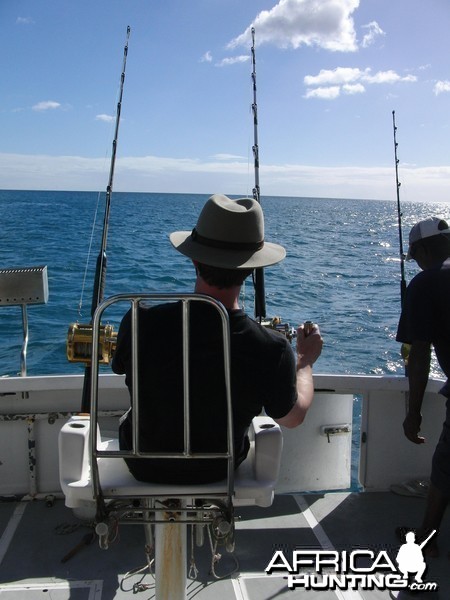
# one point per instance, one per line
(35, 538)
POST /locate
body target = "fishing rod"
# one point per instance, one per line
(258, 277)
(405, 348)
(79, 339)
(399, 215)
(258, 274)
(100, 274)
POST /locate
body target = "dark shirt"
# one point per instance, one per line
(262, 371)
(426, 313)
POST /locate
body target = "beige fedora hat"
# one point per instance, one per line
(229, 234)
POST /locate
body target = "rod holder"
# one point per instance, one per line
(20, 287)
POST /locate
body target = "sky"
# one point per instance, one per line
(329, 74)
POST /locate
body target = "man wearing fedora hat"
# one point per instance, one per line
(225, 246)
(425, 322)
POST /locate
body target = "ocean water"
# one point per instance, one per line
(342, 268)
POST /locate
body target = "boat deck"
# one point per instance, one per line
(35, 538)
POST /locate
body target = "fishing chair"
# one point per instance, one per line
(94, 477)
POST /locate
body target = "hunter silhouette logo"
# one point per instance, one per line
(358, 569)
(410, 558)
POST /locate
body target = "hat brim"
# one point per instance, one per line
(408, 254)
(269, 254)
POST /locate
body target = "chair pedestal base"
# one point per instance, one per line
(170, 558)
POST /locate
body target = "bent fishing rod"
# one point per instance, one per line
(399, 216)
(258, 276)
(79, 340)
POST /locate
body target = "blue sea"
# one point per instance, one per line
(342, 268)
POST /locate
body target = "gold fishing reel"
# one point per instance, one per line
(79, 343)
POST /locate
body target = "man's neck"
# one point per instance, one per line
(228, 297)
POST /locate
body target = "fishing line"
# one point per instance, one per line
(83, 285)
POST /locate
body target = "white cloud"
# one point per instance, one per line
(387, 77)
(225, 156)
(233, 60)
(154, 173)
(441, 87)
(351, 80)
(46, 105)
(342, 75)
(291, 23)
(24, 21)
(339, 75)
(207, 57)
(374, 31)
(353, 88)
(105, 118)
(325, 93)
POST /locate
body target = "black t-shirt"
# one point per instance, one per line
(426, 312)
(262, 371)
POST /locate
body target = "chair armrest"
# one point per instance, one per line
(268, 446)
(74, 452)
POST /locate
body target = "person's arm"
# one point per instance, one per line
(308, 351)
(418, 372)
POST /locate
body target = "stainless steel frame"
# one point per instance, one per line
(19, 287)
(187, 454)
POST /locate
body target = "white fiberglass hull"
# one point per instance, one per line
(316, 456)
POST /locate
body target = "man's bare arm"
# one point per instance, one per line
(418, 372)
(309, 348)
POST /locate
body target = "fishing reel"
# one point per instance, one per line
(284, 328)
(79, 343)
